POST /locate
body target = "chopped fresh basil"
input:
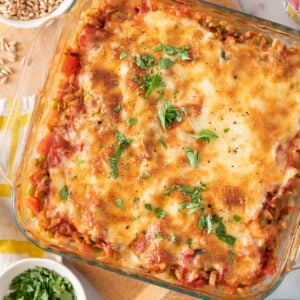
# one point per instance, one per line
(80, 162)
(161, 95)
(118, 108)
(123, 55)
(162, 142)
(120, 203)
(148, 206)
(214, 225)
(134, 218)
(226, 130)
(165, 63)
(237, 218)
(168, 114)
(41, 284)
(169, 191)
(116, 246)
(64, 194)
(206, 135)
(231, 257)
(181, 52)
(159, 236)
(145, 61)
(173, 238)
(136, 199)
(159, 213)
(189, 242)
(123, 143)
(152, 82)
(136, 79)
(193, 157)
(131, 122)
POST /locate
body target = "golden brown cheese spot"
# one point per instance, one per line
(232, 196)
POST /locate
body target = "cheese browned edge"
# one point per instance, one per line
(243, 87)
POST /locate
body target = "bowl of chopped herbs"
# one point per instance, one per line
(40, 279)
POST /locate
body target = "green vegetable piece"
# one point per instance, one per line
(226, 130)
(206, 135)
(237, 218)
(159, 236)
(231, 257)
(136, 199)
(173, 238)
(64, 194)
(181, 52)
(131, 122)
(168, 114)
(165, 63)
(123, 143)
(159, 213)
(145, 61)
(162, 142)
(148, 206)
(193, 157)
(120, 204)
(152, 82)
(123, 55)
(118, 108)
(116, 246)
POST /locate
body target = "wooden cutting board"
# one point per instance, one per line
(116, 287)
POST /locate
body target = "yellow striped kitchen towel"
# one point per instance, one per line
(13, 245)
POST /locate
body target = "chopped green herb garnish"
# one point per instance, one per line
(169, 191)
(40, 284)
(226, 130)
(206, 135)
(80, 162)
(189, 242)
(168, 114)
(195, 194)
(162, 142)
(193, 157)
(64, 194)
(148, 206)
(131, 122)
(118, 108)
(165, 63)
(185, 110)
(136, 199)
(116, 246)
(123, 55)
(159, 213)
(134, 218)
(161, 95)
(237, 218)
(231, 257)
(173, 238)
(151, 83)
(181, 52)
(120, 203)
(145, 61)
(159, 236)
(136, 79)
(123, 143)
(214, 225)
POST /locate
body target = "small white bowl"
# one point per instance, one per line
(29, 263)
(63, 7)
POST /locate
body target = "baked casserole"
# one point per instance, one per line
(172, 146)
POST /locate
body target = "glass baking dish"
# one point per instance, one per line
(47, 70)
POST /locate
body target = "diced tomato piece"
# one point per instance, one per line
(71, 64)
(46, 144)
(34, 204)
(87, 36)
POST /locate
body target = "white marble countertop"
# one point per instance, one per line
(267, 9)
